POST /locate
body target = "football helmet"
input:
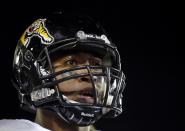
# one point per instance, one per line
(35, 77)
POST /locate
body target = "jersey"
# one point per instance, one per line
(20, 125)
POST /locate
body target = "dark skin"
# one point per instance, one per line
(71, 89)
(51, 121)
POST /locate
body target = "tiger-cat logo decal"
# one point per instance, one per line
(37, 29)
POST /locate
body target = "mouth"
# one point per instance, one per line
(82, 96)
(87, 92)
(86, 96)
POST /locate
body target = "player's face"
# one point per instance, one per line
(79, 89)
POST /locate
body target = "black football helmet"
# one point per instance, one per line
(35, 78)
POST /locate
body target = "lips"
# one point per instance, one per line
(86, 96)
(83, 96)
(88, 93)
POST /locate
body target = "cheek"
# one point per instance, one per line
(67, 85)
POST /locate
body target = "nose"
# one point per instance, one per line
(85, 79)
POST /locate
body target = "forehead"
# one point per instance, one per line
(80, 56)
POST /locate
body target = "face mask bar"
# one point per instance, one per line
(106, 98)
(108, 74)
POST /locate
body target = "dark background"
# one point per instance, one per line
(145, 33)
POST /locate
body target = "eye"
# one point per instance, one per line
(71, 62)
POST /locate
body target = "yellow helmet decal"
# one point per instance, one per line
(37, 29)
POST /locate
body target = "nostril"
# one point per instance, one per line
(85, 79)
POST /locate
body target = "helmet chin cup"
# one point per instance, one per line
(81, 116)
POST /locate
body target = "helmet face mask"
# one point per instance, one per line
(101, 94)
